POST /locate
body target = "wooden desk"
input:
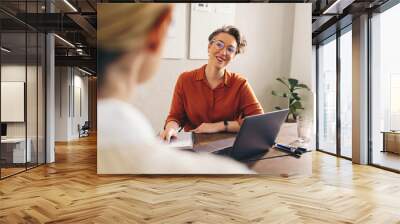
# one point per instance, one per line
(281, 166)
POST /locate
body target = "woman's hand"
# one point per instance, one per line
(171, 130)
(209, 128)
(168, 133)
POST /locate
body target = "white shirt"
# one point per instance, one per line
(126, 145)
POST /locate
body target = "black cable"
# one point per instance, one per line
(251, 160)
(272, 157)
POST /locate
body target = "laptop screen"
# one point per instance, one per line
(257, 134)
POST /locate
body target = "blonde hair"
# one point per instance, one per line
(125, 26)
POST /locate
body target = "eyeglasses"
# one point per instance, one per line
(221, 45)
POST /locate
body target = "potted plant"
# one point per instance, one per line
(294, 105)
(291, 93)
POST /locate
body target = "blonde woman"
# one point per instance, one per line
(130, 39)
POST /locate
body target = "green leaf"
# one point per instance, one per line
(292, 111)
(295, 96)
(284, 83)
(302, 86)
(293, 83)
(284, 95)
(295, 101)
(296, 105)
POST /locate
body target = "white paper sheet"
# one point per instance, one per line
(183, 141)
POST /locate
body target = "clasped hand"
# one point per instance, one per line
(209, 128)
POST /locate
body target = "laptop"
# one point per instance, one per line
(256, 136)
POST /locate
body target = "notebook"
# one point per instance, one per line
(183, 141)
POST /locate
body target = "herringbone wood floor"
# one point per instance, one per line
(69, 191)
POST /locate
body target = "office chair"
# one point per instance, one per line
(84, 130)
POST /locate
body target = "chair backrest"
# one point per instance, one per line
(86, 125)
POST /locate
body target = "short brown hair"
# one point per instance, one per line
(240, 40)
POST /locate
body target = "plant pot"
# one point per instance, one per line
(290, 120)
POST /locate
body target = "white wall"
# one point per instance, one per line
(269, 32)
(15, 72)
(68, 81)
(33, 127)
(80, 82)
(302, 64)
(61, 103)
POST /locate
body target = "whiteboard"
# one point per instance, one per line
(175, 41)
(12, 101)
(204, 19)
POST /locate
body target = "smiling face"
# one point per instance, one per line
(221, 50)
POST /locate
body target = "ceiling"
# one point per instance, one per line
(72, 20)
(332, 15)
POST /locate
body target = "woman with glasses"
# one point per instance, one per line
(130, 39)
(212, 99)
